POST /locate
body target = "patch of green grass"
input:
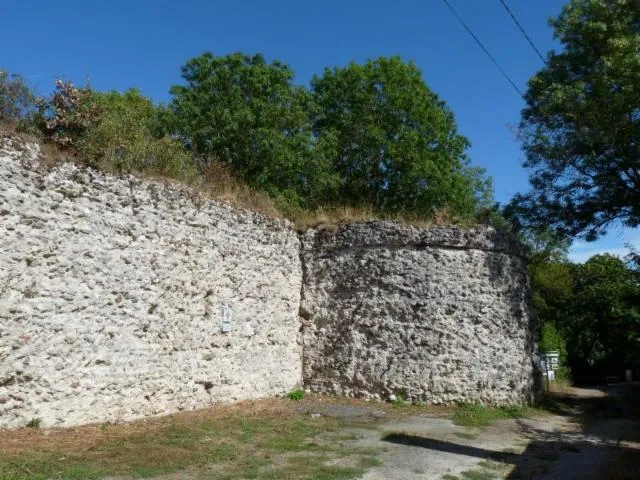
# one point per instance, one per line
(448, 476)
(369, 462)
(466, 435)
(478, 475)
(475, 415)
(492, 465)
(400, 401)
(233, 447)
(296, 395)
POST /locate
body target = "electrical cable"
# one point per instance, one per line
(495, 62)
(515, 20)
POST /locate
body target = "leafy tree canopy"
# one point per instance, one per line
(590, 312)
(248, 114)
(393, 142)
(581, 126)
(17, 99)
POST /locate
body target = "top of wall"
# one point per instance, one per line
(18, 157)
(389, 234)
(25, 165)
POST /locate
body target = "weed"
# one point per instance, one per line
(478, 475)
(492, 465)
(34, 423)
(370, 462)
(296, 395)
(400, 401)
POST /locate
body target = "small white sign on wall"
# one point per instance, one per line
(226, 315)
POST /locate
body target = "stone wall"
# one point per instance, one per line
(122, 298)
(438, 315)
(113, 292)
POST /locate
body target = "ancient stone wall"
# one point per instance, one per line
(439, 314)
(122, 298)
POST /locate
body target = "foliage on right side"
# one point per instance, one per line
(589, 313)
(580, 129)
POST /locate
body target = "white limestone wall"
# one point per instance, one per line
(112, 292)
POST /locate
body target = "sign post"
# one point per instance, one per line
(549, 362)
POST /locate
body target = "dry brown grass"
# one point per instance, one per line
(85, 438)
(332, 217)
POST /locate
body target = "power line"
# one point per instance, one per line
(515, 20)
(495, 62)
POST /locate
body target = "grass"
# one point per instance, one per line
(296, 395)
(34, 423)
(243, 441)
(475, 415)
(400, 401)
(478, 475)
(466, 435)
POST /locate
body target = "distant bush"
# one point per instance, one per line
(122, 139)
(69, 114)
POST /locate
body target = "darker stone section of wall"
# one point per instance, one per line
(438, 314)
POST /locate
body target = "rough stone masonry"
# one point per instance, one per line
(122, 298)
(438, 315)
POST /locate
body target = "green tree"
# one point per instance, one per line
(552, 277)
(393, 142)
(589, 312)
(605, 326)
(581, 126)
(248, 114)
(18, 102)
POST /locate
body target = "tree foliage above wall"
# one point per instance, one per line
(394, 142)
(581, 126)
(371, 135)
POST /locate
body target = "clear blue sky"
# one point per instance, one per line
(142, 43)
